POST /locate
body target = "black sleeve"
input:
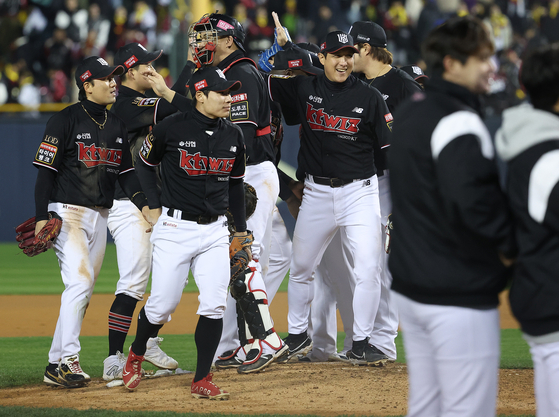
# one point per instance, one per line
(237, 205)
(131, 187)
(148, 179)
(282, 89)
(164, 108)
(184, 78)
(43, 190)
(285, 180)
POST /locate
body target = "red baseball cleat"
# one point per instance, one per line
(132, 372)
(205, 388)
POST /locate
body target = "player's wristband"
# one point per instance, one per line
(139, 200)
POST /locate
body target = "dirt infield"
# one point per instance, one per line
(324, 389)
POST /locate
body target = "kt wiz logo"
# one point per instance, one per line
(92, 156)
(319, 120)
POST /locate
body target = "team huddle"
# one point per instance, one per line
(400, 216)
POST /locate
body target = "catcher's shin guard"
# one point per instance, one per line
(256, 314)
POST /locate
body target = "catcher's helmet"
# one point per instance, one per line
(204, 33)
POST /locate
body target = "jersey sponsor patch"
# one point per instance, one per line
(322, 121)
(146, 146)
(239, 111)
(148, 102)
(170, 224)
(239, 97)
(92, 156)
(50, 139)
(46, 153)
(388, 117)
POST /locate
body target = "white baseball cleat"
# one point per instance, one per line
(157, 357)
(112, 366)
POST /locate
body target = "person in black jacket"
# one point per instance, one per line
(528, 142)
(452, 226)
(127, 227)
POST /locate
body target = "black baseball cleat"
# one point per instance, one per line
(363, 353)
(229, 359)
(52, 378)
(299, 344)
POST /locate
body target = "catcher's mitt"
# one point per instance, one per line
(250, 202)
(238, 255)
(33, 245)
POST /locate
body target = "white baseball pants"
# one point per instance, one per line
(178, 247)
(133, 248)
(546, 378)
(452, 355)
(80, 249)
(353, 208)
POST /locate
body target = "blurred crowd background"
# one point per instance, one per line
(41, 41)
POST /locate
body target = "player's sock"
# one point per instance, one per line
(207, 335)
(144, 332)
(120, 317)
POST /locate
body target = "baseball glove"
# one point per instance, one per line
(238, 255)
(250, 203)
(33, 245)
(238, 264)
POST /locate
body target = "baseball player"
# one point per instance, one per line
(217, 40)
(83, 152)
(451, 223)
(202, 175)
(528, 143)
(127, 227)
(341, 118)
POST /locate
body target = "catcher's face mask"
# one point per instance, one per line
(203, 38)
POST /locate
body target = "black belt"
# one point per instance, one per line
(200, 219)
(332, 182)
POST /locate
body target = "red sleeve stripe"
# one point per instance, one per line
(237, 178)
(155, 112)
(264, 131)
(385, 146)
(124, 172)
(46, 166)
(146, 162)
(246, 121)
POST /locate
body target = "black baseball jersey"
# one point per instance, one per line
(198, 156)
(87, 160)
(140, 113)
(395, 86)
(250, 109)
(340, 121)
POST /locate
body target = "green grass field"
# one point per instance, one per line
(28, 355)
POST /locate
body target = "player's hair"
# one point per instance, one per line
(459, 38)
(379, 54)
(82, 94)
(540, 76)
(206, 93)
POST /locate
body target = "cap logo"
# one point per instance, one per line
(131, 61)
(363, 38)
(224, 25)
(342, 38)
(296, 63)
(103, 62)
(200, 84)
(85, 76)
(323, 46)
(416, 70)
(220, 73)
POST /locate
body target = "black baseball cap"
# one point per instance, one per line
(212, 79)
(337, 40)
(135, 54)
(295, 59)
(368, 32)
(95, 68)
(414, 71)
